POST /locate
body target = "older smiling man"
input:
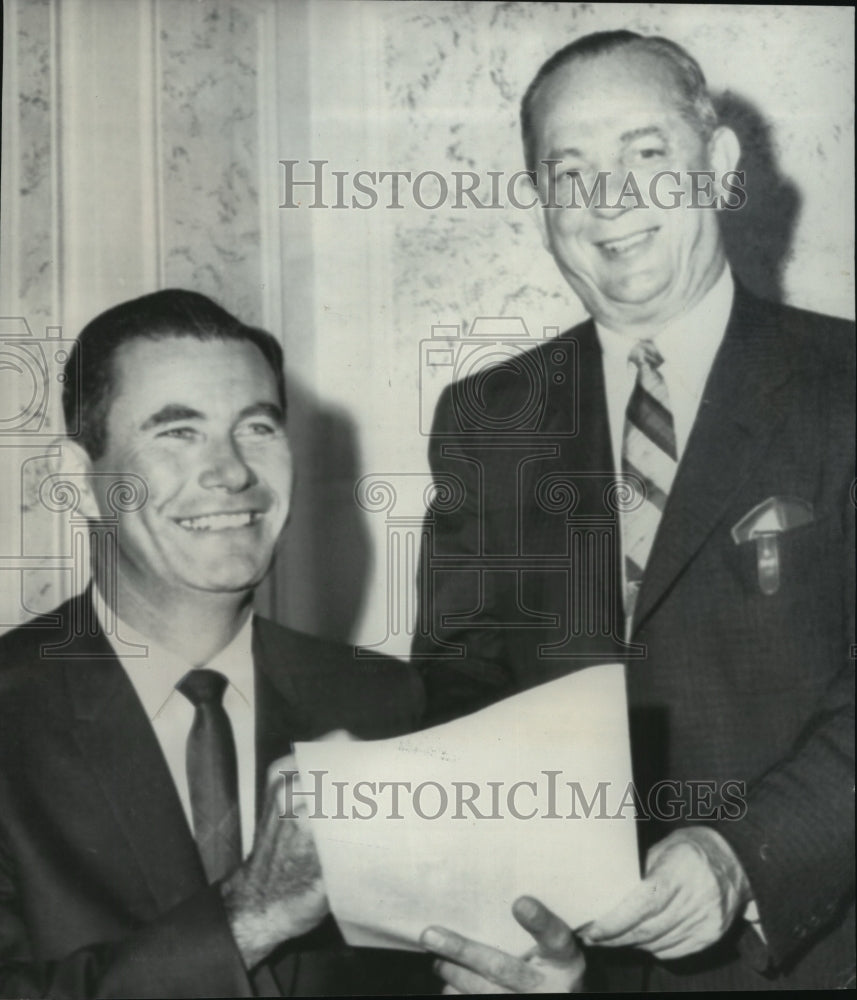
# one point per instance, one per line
(728, 582)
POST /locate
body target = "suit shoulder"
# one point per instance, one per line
(324, 655)
(29, 681)
(274, 634)
(829, 339)
(819, 349)
(372, 695)
(22, 645)
(824, 346)
(495, 378)
(819, 323)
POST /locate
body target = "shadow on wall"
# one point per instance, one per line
(323, 561)
(758, 237)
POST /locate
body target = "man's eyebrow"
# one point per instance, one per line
(561, 154)
(641, 133)
(629, 136)
(270, 410)
(169, 413)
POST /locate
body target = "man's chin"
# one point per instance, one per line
(631, 300)
(228, 579)
(635, 303)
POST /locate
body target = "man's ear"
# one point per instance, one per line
(75, 465)
(724, 151)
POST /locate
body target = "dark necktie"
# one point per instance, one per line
(212, 774)
(648, 456)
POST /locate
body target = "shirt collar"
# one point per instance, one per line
(688, 342)
(155, 675)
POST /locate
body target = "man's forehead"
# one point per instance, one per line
(165, 350)
(615, 87)
(149, 367)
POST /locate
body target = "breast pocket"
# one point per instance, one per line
(792, 605)
(774, 565)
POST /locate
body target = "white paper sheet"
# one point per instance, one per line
(431, 860)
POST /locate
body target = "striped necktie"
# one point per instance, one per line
(649, 459)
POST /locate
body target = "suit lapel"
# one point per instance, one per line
(578, 397)
(276, 698)
(277, 726)
(740, 409)
(119, 746)
(582, 474)
(579, 401)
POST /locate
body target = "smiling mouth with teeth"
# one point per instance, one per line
(626, 244)
(219, 522)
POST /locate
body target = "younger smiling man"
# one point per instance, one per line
(106, 767)
(104, 888)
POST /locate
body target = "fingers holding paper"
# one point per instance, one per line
(694, 889)
(277, 893)
(554, 965)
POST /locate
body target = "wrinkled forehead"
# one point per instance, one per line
(182, 366)
(138, 357)
(623, 87)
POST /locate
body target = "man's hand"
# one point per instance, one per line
(277, 893)
(694, 889)
(554, 965)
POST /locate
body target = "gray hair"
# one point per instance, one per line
(695, 101)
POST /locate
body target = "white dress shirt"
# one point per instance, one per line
(154, 677)
(688, 345)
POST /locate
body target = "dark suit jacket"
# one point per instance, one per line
(102, 892)
(725, 683)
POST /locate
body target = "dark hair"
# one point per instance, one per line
(695, 101)
(174, 312)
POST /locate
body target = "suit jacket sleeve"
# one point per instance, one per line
(463, 667)
(186, 952)
(796, 838)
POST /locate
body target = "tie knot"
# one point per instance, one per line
(644, 354)
(202, 687)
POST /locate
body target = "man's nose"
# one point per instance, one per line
(609, 202)
(225, 467)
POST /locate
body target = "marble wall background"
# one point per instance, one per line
(162, 118)
(208, 58)
(28, 283)
(208, 95)
(454, 74)
(35, 203)
(205, 59)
